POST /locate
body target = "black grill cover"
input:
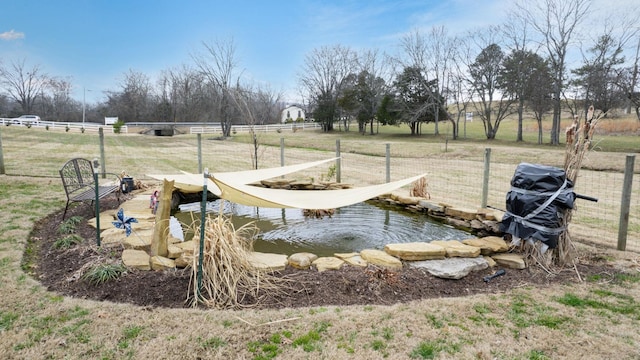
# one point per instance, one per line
(528, 215)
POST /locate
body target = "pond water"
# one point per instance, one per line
(350, 229)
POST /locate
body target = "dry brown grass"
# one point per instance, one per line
(227, 273)
(618, 126)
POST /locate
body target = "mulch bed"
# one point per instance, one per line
(61, 272)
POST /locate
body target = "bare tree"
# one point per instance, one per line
(461, 91)
(257, 107)
(441, 47)
(219, 66)
(23, 84)
(187, 93)
(134, 101)
(60, 105)
(628, 81)
(322, 77)
(556, 22)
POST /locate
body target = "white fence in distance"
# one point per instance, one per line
(62, 126)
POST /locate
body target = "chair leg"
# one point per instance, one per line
(65, 210)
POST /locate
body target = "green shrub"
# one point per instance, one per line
(117, 126)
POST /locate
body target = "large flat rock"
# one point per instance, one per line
(268, 261)
(510, 260)
(381, 258)
(415, 251)
(328, 263)
(455, 248)
(451, 268)
(301, 260)
(162, 263)
(136, 259)
(488, 245)
(461, 213)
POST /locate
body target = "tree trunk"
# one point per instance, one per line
(539, 131)
(520, 111)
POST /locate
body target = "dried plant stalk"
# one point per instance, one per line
(228, 276)
(419, 188)
(578, 144)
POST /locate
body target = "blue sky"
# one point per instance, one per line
(93, 43)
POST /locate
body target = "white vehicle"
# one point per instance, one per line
(28, 119)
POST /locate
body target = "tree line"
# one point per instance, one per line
(522, 67)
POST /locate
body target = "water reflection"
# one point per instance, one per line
(351, 229)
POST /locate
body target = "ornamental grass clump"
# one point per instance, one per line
(69, 225)
(229, 279)
(102, 273)
(68, 241)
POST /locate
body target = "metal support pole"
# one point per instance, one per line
(203, 219)
(281, 151)
(2, 171)
(199, 153)
(102, 161)
(338, 171)
(97, 200)
(625, 203)
(485, 178)
(388, 146)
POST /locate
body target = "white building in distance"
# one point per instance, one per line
(292, 113)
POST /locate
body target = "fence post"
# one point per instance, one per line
(338, 172)
(1, 157)
(282, 151)
(485, 178)
(388, 164)
(199, 153)
(103, 166)
(625, 203)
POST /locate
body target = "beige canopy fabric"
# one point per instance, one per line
(190, 183)
(233, 186)
(304, 199)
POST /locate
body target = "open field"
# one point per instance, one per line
(598, 318)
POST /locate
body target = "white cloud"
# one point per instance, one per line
(11, 35)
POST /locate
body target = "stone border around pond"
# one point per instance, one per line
(450, 259)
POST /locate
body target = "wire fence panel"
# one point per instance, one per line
(454, 177)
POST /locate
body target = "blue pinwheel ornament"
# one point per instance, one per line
(124, 222)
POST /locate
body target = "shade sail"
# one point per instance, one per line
(304, 199)
(233, 186)
(190, 183)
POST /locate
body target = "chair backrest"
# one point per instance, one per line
(76, 174)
